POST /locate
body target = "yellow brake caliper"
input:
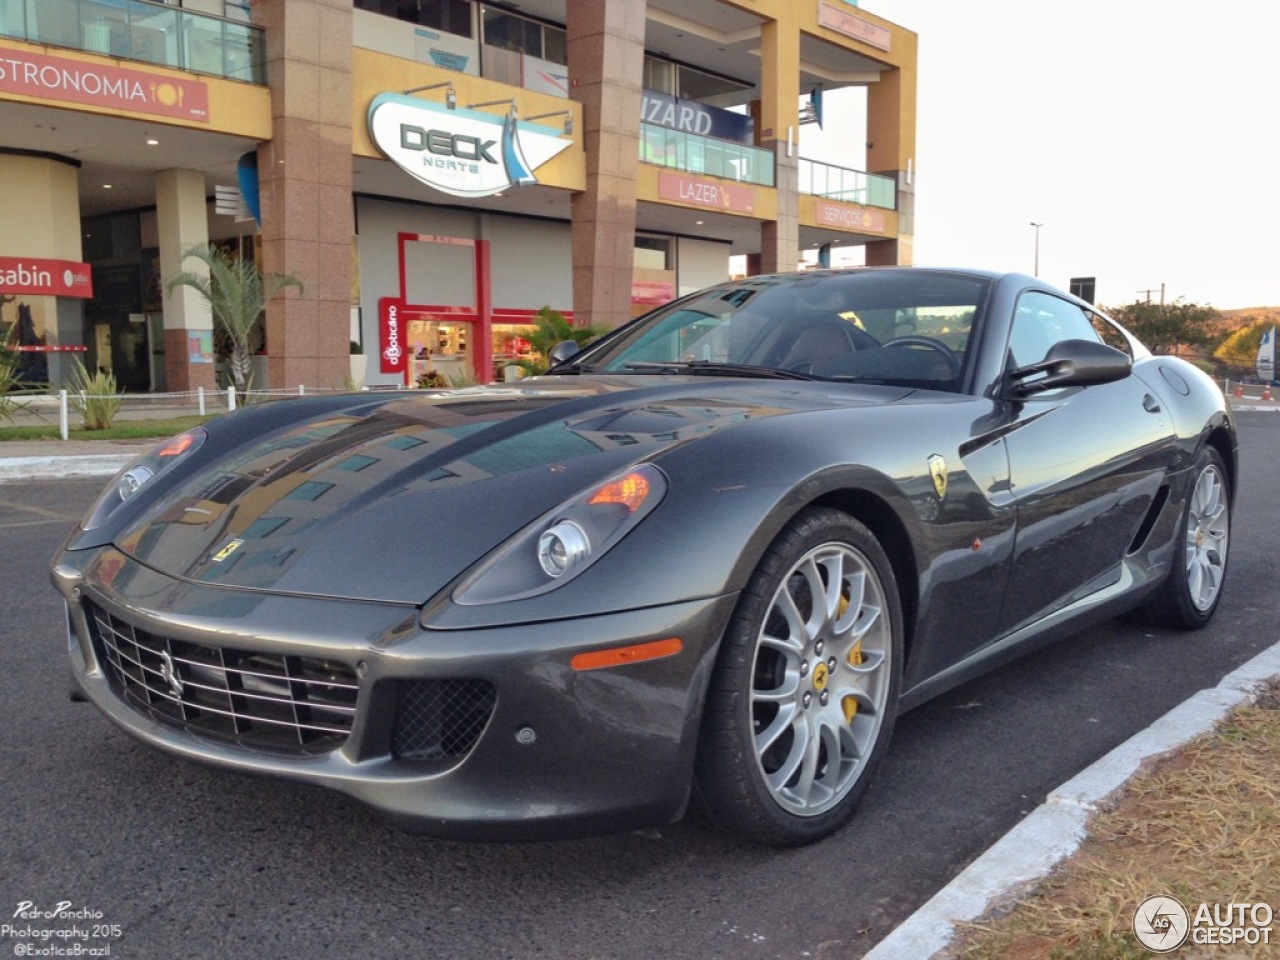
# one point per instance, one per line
(848, 704)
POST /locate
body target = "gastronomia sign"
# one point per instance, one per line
(68, 80)
(54, 278)
(466, 153)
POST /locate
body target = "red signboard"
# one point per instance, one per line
(79, 81)
(849, 217)
(392, 348)
(652, 292)
(53, 278)
(706, 193)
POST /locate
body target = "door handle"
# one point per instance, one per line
(1150, 404)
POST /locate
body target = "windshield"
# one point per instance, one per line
(886, 326)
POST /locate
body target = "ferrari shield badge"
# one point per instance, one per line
(228, 550)
(938, 473)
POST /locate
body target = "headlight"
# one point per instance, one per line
(141, 472)
(563, 543)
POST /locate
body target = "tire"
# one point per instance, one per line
(1190, 594)
(804, 696)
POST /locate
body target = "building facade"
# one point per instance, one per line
(433, 171)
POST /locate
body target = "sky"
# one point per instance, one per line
(1143, 135)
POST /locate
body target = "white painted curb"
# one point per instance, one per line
(1054, 830)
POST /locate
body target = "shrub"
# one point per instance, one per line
(94, 397)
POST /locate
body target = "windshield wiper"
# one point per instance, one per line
(708, 368)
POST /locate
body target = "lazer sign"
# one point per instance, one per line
(465, 153)
(52, 278)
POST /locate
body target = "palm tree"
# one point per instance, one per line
(549, 328)
(237, 292)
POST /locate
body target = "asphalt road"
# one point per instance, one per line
(194, 862)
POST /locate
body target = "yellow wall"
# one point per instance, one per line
(376, 73)
(41, 208)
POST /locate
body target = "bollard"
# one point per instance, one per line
(200, 392)
(231, 397)
(64, 429)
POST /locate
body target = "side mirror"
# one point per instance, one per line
(1071, 363)
(562, 351)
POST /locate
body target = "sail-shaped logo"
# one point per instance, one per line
(466, 153)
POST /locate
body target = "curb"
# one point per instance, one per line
(48, 468)
(1054, 831)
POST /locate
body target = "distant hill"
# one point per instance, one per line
(1248, 317)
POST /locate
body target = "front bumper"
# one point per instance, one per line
(551, 751)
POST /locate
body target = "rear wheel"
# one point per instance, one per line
(1190, 594)
(805, 691)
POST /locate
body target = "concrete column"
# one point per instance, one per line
(779, 130)
(606, 61)
(305, 174)
(891, 132)
(182, 219)
(41, 202)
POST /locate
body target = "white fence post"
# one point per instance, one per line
(302, 390)
(200, 392)
(64, 428)
(231, 397)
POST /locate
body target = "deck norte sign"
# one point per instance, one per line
(52, 278)
(466, 153)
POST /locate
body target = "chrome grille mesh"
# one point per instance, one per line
(297, 704)
(438, 719)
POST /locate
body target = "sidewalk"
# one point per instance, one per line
(54, 459)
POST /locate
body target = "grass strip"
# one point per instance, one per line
(123, 430)
(1203, 825)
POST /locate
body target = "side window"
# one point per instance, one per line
(1042, 320)
(1110, 334)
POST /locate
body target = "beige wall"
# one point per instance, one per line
(42, 219)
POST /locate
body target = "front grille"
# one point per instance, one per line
(295, 704)
(439, 719)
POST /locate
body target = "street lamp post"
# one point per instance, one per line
(1037, 226)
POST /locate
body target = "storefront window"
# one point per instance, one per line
(653, 253)
(689, 83)
(518, 34)
(512, 344)
(440, 353)
(450, 16)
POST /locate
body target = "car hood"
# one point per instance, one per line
(391, 501)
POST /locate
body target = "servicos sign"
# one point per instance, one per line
(465, 153)
(53, 278)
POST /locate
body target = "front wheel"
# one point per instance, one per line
(1190, 594)
(804, 695)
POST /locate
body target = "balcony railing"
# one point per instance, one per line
(141, 30)
(691, 153)
(853, 186)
